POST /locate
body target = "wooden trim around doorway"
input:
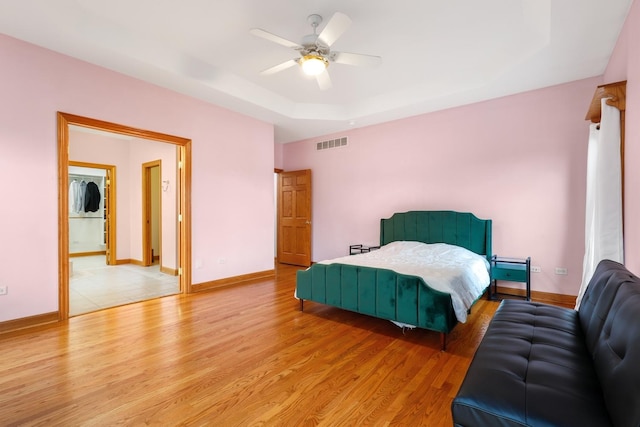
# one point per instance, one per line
(183, 147)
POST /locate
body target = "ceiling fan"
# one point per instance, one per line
(315, 49)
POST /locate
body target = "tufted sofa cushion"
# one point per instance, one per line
(541, 365)
(532, 368)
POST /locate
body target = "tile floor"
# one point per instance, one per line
(95, 285)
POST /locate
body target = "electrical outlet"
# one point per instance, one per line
(4, 290)
(561, 270)
(536, 269)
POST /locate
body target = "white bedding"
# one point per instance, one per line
(447, 268)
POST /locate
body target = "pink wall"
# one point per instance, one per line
(142, 151)
(233, 161)
(92, 148)
(128, 156)
(519, 160)
(278, 154)
(625, 65)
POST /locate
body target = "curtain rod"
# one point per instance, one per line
(616, 92)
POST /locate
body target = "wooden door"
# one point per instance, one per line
(294, 217)
(109, 229)
(151, 212)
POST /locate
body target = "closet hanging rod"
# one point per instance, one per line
(79, 178)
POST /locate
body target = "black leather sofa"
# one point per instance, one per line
(542, 365)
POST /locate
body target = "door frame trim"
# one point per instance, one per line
(184, 206)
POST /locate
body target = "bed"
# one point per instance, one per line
(402, 298)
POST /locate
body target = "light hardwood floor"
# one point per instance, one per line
(238, 356)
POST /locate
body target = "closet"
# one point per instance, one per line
(87, 214)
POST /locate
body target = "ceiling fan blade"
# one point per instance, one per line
(279, 67)
(273, 38)
(335, 28)
(324, 81)
(355, 59)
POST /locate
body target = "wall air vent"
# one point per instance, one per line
(331, 143)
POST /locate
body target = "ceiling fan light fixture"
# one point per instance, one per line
(313, 64)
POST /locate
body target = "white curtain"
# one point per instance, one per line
(603, 228)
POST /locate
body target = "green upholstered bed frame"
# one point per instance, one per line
(389, 295)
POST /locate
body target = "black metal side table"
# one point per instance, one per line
(361, 249)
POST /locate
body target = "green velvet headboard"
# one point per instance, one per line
(455, 228)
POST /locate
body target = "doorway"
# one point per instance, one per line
(294, 218)
(182, 187)
(92, 233)
(151, 212)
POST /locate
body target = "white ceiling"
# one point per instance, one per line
(435, 54)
